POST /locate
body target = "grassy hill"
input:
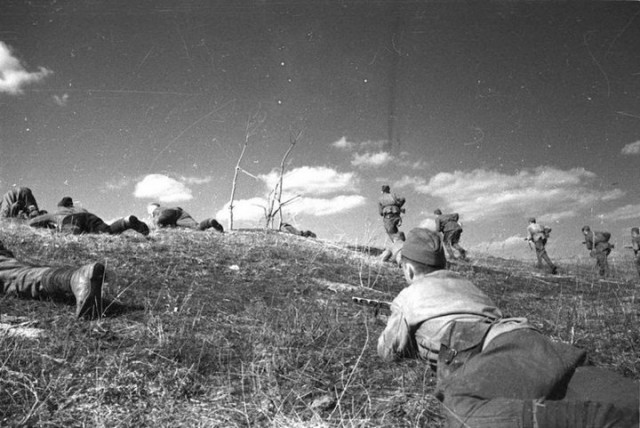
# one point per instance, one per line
(257, 328)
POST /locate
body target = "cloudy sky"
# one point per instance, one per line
(498, 111)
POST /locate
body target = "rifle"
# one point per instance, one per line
(376, 304)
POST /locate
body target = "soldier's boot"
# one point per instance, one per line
(84, 283)
(210, 223)
(553, 268)
(130, 222)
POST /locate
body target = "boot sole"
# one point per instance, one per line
(92, 304)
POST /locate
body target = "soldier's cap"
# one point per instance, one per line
(66, 202)
(386, 188)
(438, 211)
(424, 246)
(635, 229)
(532, 219)
(586, 229)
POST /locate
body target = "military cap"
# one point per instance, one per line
(66, 202)
(424, 246)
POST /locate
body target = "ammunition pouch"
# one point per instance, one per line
(461, 341)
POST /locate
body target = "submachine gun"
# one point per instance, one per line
(378, 305)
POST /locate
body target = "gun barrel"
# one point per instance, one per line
(379, 304)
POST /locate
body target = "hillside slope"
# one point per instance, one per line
(257, 328)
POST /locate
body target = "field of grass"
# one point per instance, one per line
(257, 328)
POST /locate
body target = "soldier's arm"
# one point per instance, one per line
(396, 337)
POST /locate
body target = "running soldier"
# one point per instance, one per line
(390, 208)
(538, 234)
(600, 248)
(451, 230)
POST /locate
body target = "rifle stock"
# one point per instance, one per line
(377, 304)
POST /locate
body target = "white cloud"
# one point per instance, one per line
(324, 206)
(416, 182)
(483, 193)
(253, 210)
(368, 145)
(61, 100)
(196, 180)
(631, 149)
(249, 210)
(371, 159)
(624, 213)
(317, 180)
(342, 143)
(162, 188)
(13, 75)
(509, 244)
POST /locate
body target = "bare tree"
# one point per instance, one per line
(275, 203)
(254, 122)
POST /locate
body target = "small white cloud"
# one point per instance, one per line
(197, 180)
(343, 144)
(61, 100)
(511, 242)
(631, 149)
(365, 146)
(325, 206)
(162, 188)
(13, 75)
(418, 183)
(248, 210)
(318, 180)
(371, 159)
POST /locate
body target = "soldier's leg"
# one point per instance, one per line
(541, 252)
(45, 221)
(210, 223)
(455, 242)
(391, 225)
(446, 240)
(601, 262)
(185, 220)
(130, 222)
(85, 283)
(638, 262)
(94, 224)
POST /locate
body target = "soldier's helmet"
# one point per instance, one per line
(532, 219)
(386, 188)
(438, 211)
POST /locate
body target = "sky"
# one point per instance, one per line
(498, 111)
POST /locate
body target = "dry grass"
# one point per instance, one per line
(258, 329)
